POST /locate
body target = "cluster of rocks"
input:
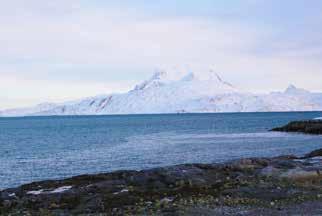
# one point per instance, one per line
(309, 127)
(254, 185)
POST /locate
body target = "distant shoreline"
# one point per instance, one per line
(158, 114)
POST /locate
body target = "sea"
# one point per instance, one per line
(41, 148)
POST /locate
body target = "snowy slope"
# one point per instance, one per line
(159, 94)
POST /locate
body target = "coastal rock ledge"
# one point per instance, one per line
(309, 127)
(255, 186)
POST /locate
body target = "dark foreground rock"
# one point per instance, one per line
(283, 185)
(309, 127)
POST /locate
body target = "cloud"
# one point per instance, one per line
(60, 47)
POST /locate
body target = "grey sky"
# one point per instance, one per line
(59, 50)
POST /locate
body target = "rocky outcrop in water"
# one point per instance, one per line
(309, 127)
(255, 186)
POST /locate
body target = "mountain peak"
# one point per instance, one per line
(159, 75)
(157, 79)
(292, 89)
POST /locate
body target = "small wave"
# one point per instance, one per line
(318, 118)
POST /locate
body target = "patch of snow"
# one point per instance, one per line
(61, 189)
(122, 191)
(166, 200)
(57, 190)
(37, 192)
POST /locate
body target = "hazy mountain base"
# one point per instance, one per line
(265, 186)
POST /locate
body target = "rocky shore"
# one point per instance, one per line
(266, 186)
(309, 127)
(285, 185)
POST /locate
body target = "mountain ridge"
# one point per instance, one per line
(188, 94)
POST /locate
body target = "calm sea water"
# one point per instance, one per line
(39, 148)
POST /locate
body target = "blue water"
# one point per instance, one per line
(39, 148)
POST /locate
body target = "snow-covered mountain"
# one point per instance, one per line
(159, 94)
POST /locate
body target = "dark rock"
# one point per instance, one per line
(6, 203)
(309, 127)
(314, 153)
(283, 164)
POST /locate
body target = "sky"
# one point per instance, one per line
(52, 51)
